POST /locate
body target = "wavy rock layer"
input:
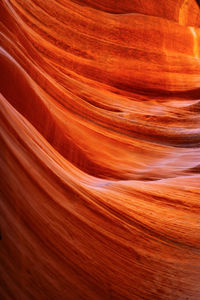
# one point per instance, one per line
(100, 138)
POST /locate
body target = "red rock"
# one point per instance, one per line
(100, 160)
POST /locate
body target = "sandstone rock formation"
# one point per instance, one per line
(100, 149)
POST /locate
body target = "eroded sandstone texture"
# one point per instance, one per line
(100, 158)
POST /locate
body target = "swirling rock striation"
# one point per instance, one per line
(100, 149)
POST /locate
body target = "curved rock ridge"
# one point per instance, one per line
(100, 150)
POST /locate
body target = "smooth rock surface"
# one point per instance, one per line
(100, 150)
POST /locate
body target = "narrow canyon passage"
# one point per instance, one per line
(100, 150)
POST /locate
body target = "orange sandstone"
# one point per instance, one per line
(100, 158)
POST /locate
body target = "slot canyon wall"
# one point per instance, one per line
(100, 150)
